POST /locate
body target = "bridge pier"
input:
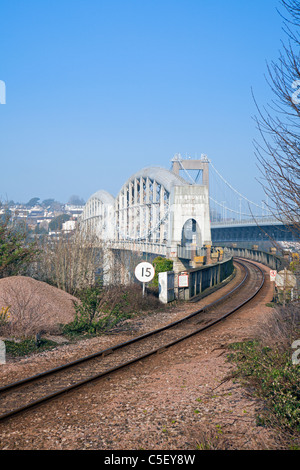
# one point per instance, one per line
(179, 266)
(209, 261)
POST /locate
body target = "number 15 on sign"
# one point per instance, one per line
(144, 272)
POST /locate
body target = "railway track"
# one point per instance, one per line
(32, 391)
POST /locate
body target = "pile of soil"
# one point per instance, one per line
(35, 302)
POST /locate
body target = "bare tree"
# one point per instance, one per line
(69, 262)
(28, 315)
(279, 126)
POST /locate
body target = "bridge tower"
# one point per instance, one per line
(190, 203)
(188, 164)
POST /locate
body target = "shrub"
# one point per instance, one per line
(161, 265)
(100, 309)
(266, 364)
(27, 315)
(16, 252)
(274, 378)
(27, 346)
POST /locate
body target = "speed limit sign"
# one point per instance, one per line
(144, 272)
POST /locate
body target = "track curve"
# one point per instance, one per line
(32, 391)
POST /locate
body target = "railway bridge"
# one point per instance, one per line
(157, 212)
(174, 213)
(155, 209)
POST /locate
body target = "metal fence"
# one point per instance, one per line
(269, 259)
(196, 281)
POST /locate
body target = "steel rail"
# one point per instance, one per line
(120, 345)
(104, 352)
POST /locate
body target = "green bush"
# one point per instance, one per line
(16, 251)
(87, 312)
(27, 346)
(100, 309)
(274, 378)
(161, 265)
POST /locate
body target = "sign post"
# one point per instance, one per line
(273, 274)
(144, 272)
(285, 281)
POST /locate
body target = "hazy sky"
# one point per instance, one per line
(98, 89)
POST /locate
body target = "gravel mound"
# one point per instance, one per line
(35, 305)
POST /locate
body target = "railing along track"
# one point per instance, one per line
(188, 323)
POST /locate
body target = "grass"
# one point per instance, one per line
(102, 309)
(274, 378)
(27, 346)
(265, 366)
(98, 311)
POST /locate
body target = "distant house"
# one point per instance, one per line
(74, 210)
(69, 225)
(19, 211)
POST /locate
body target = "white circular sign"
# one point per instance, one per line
(144, 272)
